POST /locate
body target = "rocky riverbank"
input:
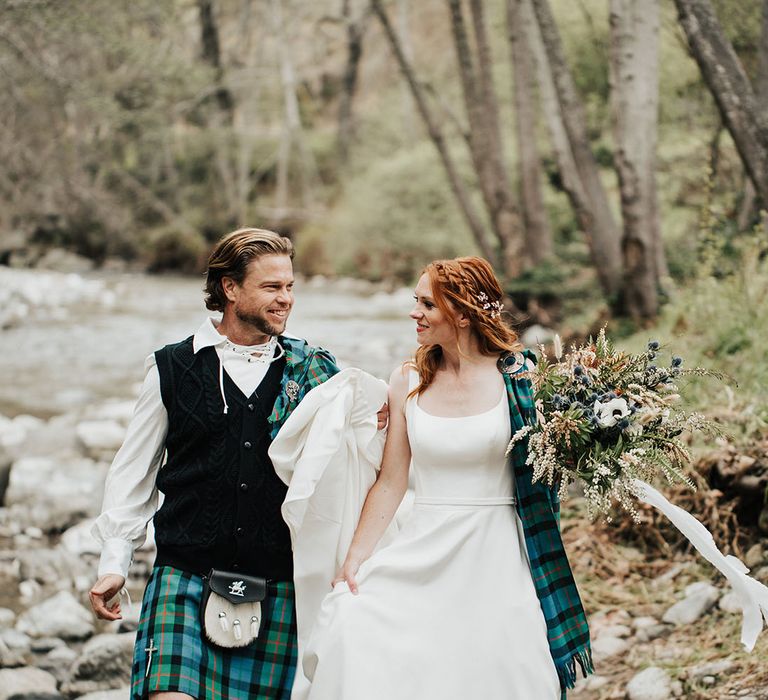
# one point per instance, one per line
(53, 475)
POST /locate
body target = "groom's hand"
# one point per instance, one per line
(382, 417)
(102, 594)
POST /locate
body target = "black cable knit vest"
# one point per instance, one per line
(222, 496)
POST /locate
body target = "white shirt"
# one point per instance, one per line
(131, 497)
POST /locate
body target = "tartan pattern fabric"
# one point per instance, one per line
(539, 511)
(183, 662)
(305, 368)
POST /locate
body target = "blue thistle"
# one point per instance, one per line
(654, 345)
(677, 361)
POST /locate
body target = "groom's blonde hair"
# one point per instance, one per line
(233, 253)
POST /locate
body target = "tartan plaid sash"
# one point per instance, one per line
(305, 368)
(539, 510)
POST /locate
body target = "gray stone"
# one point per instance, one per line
(590, 684)
(651, 684)
(606, 647)
(59, 616)
(7, 616)
(754, 556)
(21, 681)
(713, 668)
(699, 599)
(10, 657)
(100, 437)
(46, 644)
(103, 664)
(648, 634)
(620, 631)
(730, 602)
(78, 539)
(54, 493)
(18, 641)
(123, 693)
(58, 662)
(51, 566)
(642, 622)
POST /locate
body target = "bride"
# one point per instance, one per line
(474, 597)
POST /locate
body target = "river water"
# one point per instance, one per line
(90, 351)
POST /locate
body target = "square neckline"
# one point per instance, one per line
(471, 415)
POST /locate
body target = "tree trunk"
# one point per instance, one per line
(749, 210)
(538, 234)
(209, 35)
(594, 212)
(293, 133)
(458, 188)
(485, 136)
(570, 182)
(635, 100)
(728, 82)
(355, 32)
(506, 217)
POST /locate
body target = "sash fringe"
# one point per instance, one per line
(566, 669)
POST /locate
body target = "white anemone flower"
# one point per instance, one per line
(610, 412)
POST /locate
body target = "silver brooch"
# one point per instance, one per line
(292, 389)
(511, 362)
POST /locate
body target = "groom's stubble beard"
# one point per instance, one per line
(260, 323)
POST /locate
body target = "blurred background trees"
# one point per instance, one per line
(575, 144)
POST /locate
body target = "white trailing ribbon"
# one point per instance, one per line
(753, 595)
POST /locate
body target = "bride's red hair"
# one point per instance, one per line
(469, 286)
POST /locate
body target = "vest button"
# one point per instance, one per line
(247, 445)
(243, 486)
(251, 407)
(239, 531)
(235, 566)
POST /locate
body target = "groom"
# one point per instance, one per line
(212, 405)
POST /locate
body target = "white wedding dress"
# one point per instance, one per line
(448, 610)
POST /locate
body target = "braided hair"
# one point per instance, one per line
(466, 285)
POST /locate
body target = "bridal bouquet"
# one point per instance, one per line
(609, 418)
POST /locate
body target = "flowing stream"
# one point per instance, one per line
(94, 349)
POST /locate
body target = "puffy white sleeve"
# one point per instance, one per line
(130, 493)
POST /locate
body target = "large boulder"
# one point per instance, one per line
(104, 664)
(59, 616)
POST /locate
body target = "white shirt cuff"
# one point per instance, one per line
(116, 557)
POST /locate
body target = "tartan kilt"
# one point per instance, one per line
(184, 662)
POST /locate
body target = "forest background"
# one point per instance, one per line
(609, 156)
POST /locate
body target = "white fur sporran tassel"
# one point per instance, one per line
(254, 626)
(236, 630)
(223, 622)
